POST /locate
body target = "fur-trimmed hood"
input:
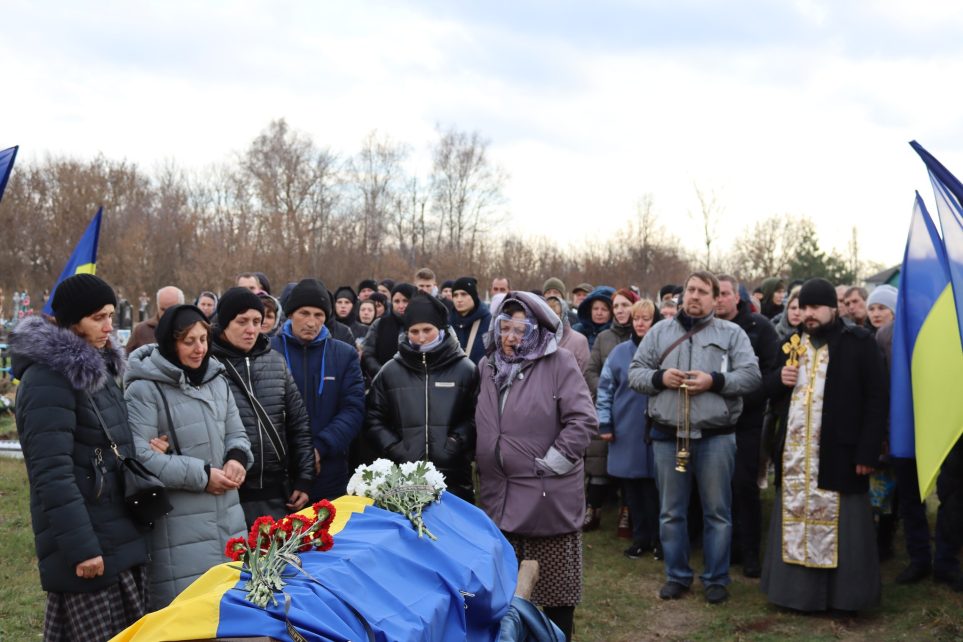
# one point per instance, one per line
(35, 340)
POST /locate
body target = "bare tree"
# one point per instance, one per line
(466, 189)
(766, 248)
(377, 174)
(710, 212)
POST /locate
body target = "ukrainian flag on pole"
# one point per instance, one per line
(7, 156)
(84, 258)
(926, 410)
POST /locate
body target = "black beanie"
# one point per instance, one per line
(424, 308)
(818, 292)
(308, 292)
(79, 296)
(378, 297)
(345, 292)
(407, 290)
(467, 284)
(388, 283)
(371, 284)
(234, 302)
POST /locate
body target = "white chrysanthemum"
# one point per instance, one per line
(381, 466)
(355, 482)
(408, 467)
(435, 479)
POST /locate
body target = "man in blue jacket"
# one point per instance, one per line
(328, 375)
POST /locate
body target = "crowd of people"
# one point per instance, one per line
(565, 402)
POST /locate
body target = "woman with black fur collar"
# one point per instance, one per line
(91, 556)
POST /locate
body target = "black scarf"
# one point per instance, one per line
(175, 320)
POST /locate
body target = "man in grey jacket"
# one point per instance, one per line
(695, 369)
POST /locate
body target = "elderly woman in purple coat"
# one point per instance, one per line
(534, 420)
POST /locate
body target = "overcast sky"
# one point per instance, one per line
(779, 107)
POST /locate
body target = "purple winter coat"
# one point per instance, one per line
(548, 405)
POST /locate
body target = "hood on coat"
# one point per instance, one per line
(146, 362)
(535, 306)
(35, 340)
(601, 293)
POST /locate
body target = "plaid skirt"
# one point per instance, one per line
(559, 567)
(99, 615)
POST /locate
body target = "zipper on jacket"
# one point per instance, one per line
(260, 429)
(424, 362)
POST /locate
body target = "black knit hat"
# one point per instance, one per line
(469, 285)
(234, 302)
(407, 290)
(308, 292)
(345, 292)
(79, 296)
(378, 297)
(818, 292)
(388, 283)
(424, 308)
(370, 284)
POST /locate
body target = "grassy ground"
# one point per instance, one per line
(620, 602)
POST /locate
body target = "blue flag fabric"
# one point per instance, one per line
(949, 207)
(923, 279)
(83, 260)
(7, 157)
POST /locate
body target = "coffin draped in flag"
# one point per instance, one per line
(406, 588)
(7, 156)
(84, 257)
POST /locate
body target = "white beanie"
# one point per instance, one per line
(884, 295)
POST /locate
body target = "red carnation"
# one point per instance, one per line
(324, 506)
(264, 525)
(326, 541)
(236, 547)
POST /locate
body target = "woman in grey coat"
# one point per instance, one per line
(188, 432)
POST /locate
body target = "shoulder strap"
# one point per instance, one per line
(471, 337)
(260, 413)
(170, 422)
(103, 426)
(675, 344)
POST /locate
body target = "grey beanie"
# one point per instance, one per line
(884, 295)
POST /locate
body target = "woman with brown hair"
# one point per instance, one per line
(188, 432)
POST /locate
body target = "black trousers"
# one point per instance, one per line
(642, 498)
(746, 505)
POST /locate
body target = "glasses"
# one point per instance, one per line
(507, 326)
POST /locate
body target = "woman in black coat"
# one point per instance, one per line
(421, 405)
(91, 555)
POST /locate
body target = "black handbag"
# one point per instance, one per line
(144, 493)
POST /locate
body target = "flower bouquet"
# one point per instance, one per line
(271, 545)
(406, 488)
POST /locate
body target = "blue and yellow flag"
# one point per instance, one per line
(7, 157)
(926, 409)
(84, 258)
(406, 588)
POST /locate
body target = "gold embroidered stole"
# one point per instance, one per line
(810, 515)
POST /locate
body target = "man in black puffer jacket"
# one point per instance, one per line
(421, 405)
(270, 406)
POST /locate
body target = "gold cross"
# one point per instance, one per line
(794, 348)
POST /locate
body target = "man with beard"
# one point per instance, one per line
(695, 369)
(746, 506)
(821, 551)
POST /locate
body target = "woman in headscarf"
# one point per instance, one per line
(791, 317)
(534, 420)
(207, 302)
(91, 556)
(382, 338)
(421, 406)
(272, 319)
(188, 432)
(574, 342)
